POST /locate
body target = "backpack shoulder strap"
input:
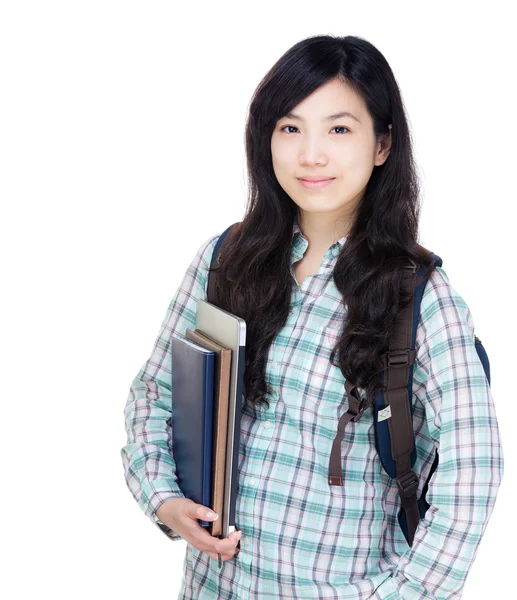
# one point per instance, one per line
(393, 409)
(393, 406)
(215, 259)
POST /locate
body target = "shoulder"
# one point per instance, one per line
(445, 322)
(441, 303)
(206, 250)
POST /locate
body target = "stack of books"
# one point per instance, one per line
(207, 396)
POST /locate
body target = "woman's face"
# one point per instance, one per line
(314, 145)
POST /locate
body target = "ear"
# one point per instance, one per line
(384, 147)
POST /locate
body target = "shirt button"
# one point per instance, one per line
(335, 251)
(266, 424)
(253, 481)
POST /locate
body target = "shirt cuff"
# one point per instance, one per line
(156, 497)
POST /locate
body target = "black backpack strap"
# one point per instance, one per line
(387, 429)
(397, 368)
(396, 364)
(216, 260)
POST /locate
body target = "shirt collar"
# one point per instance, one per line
(297, 233)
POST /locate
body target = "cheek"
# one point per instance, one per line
(283, 167)
(356, 166)
(281, 172)
(281, 155)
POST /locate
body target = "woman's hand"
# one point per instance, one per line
(181, 515)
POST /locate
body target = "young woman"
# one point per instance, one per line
(315, 268)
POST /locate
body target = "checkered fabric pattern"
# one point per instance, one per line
(303, 538)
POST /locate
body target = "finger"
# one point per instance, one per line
(200, 512)
(206, 542)
(234, 537)
(202, 538)
(228, 544)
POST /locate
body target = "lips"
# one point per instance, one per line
(316, 178)
(316, 184)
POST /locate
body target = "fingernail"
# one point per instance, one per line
(212, 515)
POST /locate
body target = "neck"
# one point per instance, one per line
(322, 230)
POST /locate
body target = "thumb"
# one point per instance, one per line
(204, 513)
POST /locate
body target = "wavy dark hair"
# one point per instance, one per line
(254, 279)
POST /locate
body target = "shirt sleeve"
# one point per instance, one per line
(461, 419)
(147, 457)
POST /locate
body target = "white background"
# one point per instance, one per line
(122, 150)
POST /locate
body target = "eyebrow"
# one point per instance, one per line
(338, 115)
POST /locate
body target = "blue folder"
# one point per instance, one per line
(192, 418)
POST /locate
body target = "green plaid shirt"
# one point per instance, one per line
(303, 538)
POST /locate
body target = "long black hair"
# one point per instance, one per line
(254, 279)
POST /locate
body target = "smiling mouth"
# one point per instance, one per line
(316, 184)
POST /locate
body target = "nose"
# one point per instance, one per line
(312, 152)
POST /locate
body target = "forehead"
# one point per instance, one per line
(333, 100)
(343, 114)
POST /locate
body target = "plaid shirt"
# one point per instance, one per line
(303, 538)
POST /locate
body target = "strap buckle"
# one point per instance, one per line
(413, 266)
(362, 408)
(408, 483)
(399, 358)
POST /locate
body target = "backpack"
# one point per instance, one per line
(392, 404)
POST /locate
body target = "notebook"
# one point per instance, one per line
(192, 391)
(230, 331)
(222, 366)
(207, 396)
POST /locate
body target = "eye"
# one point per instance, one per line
(341, 127)
(293, 127)
(285, 127)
